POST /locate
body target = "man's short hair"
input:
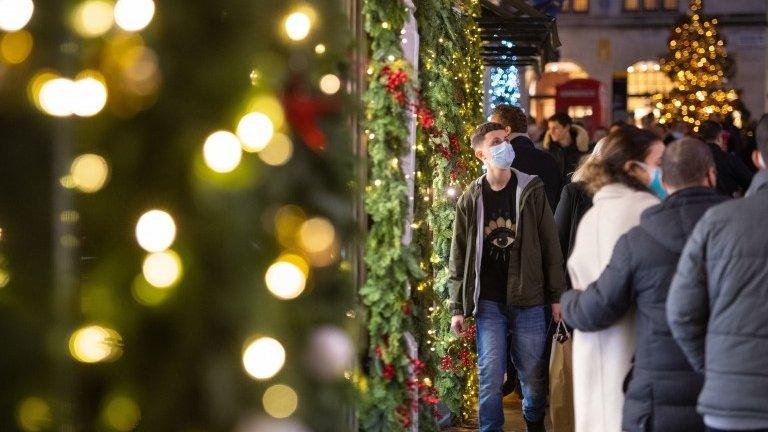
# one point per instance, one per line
(761, 136)
(482, 130)
(562, 118)
(686, 162)
(512, 117)
(709, 130)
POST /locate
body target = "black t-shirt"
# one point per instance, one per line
(498, 236)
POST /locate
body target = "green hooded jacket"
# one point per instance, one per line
(536, 275)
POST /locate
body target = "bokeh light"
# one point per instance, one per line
(15, 47)
(222, 152)
(36, 85)
(287, 277)
(34, 415)
(317, 235)
(280, 401)
(271, 107)
(330, 84)
(147, 295)
(155, 231)
(263, 358)
(15, 14)
(93, 344)
(320, 49)
(288, 221)
(91, 94)
(297, 25)
(89, 173)
(121, 413)
(255, 131)
(278, 152)
(56, 96)
(331, 352)
(134, 15)
(162, 269)
(93, 18)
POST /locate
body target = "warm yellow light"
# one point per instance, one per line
(93, 344)
(134, 15)
(297, 25)
(121, 413)
(320, 49)
(288, 220)
(15, 14)
(222, 152)
(278, 151)
(89, 173)
(155, 231)
(317, 235)
(162, 269)
(56, 96)
(16, 47)
(330, 84)
(280, 401)
(285, 279)
(263, 358)
(271, 107)
(148, 295)
(255, 131)
(34, 415)
(91, 94)
(93, 18)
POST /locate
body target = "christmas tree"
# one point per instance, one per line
(696, 63)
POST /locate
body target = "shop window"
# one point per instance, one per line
(577, 6)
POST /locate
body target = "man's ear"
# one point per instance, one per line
(757, 158)
(479, 154)
(712, 175)
(508, 130)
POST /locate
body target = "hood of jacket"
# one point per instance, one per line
(579, 135)
(671, 222)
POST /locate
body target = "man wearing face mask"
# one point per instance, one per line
(662, 388)
(506, 269)
(716, 305)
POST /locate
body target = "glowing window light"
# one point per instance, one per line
(263, 358)
(155, 231)
(15, 14)
(134, 15)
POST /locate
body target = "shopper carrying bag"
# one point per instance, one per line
(561, 381)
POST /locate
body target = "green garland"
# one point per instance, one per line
(385, 403)
(448, 38)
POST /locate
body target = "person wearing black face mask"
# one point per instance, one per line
(662, 385)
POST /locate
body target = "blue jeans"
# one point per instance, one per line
(528, 327)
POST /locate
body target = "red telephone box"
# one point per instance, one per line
(582, 99)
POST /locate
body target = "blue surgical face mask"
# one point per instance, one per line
(502, 155)
(656, 186)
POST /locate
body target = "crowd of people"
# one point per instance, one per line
(647, 242)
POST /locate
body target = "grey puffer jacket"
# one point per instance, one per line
(663, 387)
(718, 309)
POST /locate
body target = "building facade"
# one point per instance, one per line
(619, 43)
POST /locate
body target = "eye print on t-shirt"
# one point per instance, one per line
(500, 234)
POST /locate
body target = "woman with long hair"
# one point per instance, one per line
(621, 180)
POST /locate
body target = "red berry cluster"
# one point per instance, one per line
(395, 79)
(427, 394)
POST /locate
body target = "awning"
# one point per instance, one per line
(514, 33)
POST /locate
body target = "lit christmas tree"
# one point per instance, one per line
(696, 63)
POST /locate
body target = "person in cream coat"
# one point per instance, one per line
(621, 179)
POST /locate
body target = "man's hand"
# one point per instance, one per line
(457, 325)
(556, 312)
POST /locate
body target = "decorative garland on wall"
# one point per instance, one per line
(393, 377)
(450, 41)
